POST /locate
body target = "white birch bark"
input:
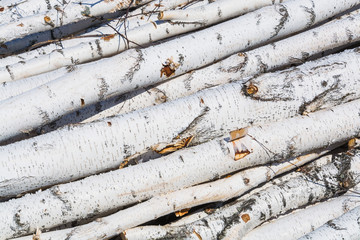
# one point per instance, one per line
(306, 220)
(236, 219)
(190, 218)
(345, 227)
(135, 18)
(109, 191)
(142, 68)
(226, 9)
(74, 12)
(220, 190)
(279, 54)
(11, 89)
(292, 50)
(203, 116)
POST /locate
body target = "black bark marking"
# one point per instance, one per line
(333, 225)
(187, 81)
(281, 9)
(181, 59)
(219, 38)
(263, 98)
(258, 17)
(311, 198)
(191, 128)
(283, 199)
(349, 34)
(233, 219)
(103, 88)
(320, 98)
(44, 116)
(55, 191)
(219, 13)
(10, 72)
(239, 67)
(130, 74)
(261, 66)
(167, 31)
(127, 150)
(98, 48)
(48, 4)
(92, 50)
(312, 14)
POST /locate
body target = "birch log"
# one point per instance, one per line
(102, 193)
(220, 190)
(306, 220)
(70, 13)
(269, 57)
(292, 50)
(192, 217)
(89, 84)
(135, 18)
(96, 49)
(202, 117)
(345, 227)
(236, 219)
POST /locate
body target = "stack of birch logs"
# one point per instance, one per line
(179, 119)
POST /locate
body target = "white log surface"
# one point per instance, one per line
(266, 58)
(345, 227)
(97, 194)
(99, 80)
(292, 50)
(236, 219)
(218, 11)
(71, 152)
(306, 220)
(220, 190)
(135, 18)
(52, 18)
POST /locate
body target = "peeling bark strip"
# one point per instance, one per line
(228, 222)
(220, 190)
(108, 191)
(346, 226)
(85, 53)
(74, 12)
(303, 221)
(205, 115)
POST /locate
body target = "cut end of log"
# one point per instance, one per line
(245, 217)
(251, 89)
(160, 15)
